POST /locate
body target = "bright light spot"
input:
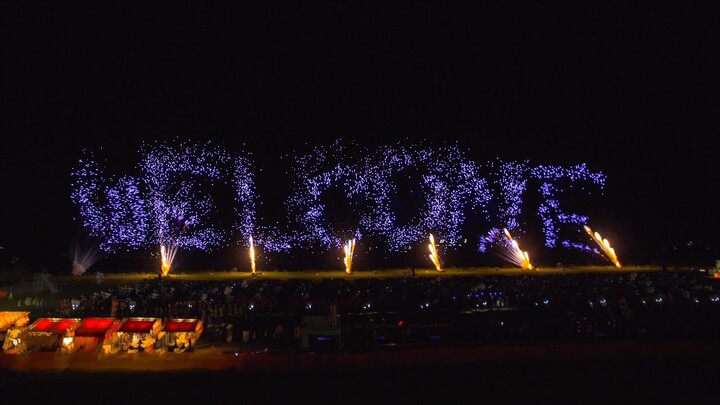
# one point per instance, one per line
(252, 255)
(516, 255)
(604, 245)
(434, 257)
(167, 256)
(349, 249)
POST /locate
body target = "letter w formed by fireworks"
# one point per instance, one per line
(168, 206)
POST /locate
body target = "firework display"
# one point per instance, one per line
(443, 183)
(167, 258)
(169, 204)
(434, 256)
(604, 245)
(391, 195)
(252, 255)
(517, 255)
(349, 250)
(510, 181)
(554, 180)
(316, 173)
(85, 254)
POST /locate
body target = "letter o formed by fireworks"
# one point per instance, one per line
(447, 185)
(317, 173)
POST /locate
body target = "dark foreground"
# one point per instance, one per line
(658, 372)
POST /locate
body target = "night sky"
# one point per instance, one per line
(632, 90)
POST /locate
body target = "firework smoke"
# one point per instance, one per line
(83, 258)
(86, 253)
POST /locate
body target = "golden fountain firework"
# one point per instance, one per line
(167, 256)
(517, 256)
(349, 250)
(434, 254)
(252, 255)
(604, 245)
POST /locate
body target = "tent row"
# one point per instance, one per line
(97, 335)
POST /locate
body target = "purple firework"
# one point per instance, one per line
(394, 194)
(446, 183)
(169, 204)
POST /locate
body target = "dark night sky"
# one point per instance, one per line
(630, 89)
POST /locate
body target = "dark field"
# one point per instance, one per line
(663, 378)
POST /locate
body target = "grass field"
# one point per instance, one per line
(385, 273)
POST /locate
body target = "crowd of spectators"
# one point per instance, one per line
(463, 310)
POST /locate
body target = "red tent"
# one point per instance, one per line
(94, 334)
(137, 334)
(138, 325)
(179, 335)
(54, 326)
(47, 334)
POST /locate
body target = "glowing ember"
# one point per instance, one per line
(517, 256)
(10, 319)
(252, 255)
(167, 256)
(604, 245)
(349, 250)
(434, 254)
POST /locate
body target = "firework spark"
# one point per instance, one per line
(171, 203)
(252, 255)
(393, 193)
(434, 256)
(372, 182)
(515, 254)
(167, 257)
(554, 182)
(604, 245)
(349, 250)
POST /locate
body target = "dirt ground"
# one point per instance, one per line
(222, 357)
(617, 372)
